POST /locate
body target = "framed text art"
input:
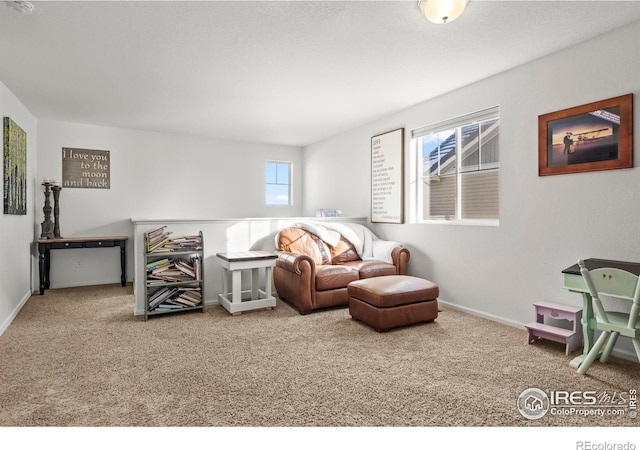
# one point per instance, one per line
(595, 136)
(88, 169)
(15, 168)
(387, 184)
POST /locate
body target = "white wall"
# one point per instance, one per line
(16, 231)
(153, 176)
(546, 223)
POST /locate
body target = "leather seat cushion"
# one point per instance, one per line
(334, 277)
(393, 290)
(372, 268)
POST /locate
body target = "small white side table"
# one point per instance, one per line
(236, 300)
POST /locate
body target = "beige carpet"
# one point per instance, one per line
(78, 357)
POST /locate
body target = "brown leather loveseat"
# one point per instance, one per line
(316, 262)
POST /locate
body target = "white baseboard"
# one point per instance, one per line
(621, 353)
(475, 312)
(80, 284)
(14, 313)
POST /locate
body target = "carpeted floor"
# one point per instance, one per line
(79, 357)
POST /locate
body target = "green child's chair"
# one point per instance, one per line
(613, 283)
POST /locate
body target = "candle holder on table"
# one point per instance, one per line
(56, 188)
(47, 225)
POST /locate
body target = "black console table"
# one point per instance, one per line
(46, 245)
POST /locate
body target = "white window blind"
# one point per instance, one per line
(458, 164)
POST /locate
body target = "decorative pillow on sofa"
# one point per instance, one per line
(343, 252)
(296, 240)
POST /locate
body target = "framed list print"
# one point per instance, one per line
(387, 182)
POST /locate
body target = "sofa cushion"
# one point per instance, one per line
(343, 252)
(372, 268)
(296, 240)
(334, 277)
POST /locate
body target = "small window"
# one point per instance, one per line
(278, 183)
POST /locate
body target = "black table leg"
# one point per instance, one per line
(47, 268)
(123, 264)
(41, 265)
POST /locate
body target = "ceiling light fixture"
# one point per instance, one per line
(442, 11)
(22, 7)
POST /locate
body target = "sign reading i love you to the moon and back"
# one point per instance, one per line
(82, 168)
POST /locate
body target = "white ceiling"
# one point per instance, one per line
(282, 72)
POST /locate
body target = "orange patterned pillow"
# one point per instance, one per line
(297, 240)
(343, 252)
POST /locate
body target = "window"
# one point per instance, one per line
(278, 183)
(457, 169)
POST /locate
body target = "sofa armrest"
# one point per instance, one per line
(295, 279)
(295, 262)
(400, 256)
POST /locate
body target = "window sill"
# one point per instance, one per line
(468, 222)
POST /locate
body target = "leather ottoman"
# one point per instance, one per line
(393, 301)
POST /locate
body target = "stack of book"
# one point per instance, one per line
(156, 239)
(183, 243)
(175, 298)
(161, 295)
(189, 297)
(173, 270)
(159, 240)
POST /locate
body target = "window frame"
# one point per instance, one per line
(289, 183)
(419, 179)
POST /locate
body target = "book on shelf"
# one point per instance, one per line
(157, 247)
(186, 301)
(171, 301)
(191, 295)
(160, 268)
(154, 233)
(197, 267)
(184, 267)
(159, 262)
(167, 305)
(153, 238)
(168, 278)
(172, 270)
(184, 243)
(187, 240)
(181, 243)
(162, 295)
(195, 291)
(156, 238)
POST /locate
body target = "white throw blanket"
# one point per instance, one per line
(367, 244)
